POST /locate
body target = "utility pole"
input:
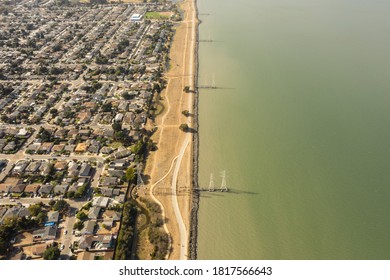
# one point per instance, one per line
(211, 185)
(223, 184)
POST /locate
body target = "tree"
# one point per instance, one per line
(117, 126)
(138, 148)
(7, 231)
(81, 216)
(96, 85)
(186, 113)
(61, 206)
(44, 135)
(57, 47)
(81, 191)
(52, 253)
(156, 87)
(54, 112)
(184, 127)
(41, 217)
(70, 194)
(127, 96)
(35, 209)
(101, 60)
(78, 225)
(87, 206)
(130, 174)
(107, 107)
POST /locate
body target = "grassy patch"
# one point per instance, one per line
(144, 247)
(155, 15)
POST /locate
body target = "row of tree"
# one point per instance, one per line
(126, 233)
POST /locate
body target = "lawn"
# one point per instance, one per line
(156, 15)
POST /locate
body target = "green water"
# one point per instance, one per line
(302, 128)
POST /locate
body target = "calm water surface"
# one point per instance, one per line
(302, 127)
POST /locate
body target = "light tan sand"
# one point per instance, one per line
(170, 139)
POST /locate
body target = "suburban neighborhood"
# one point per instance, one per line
(77, 86)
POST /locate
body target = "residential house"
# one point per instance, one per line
(85, 170)
(32, 188)
(46, 233)
(53, 216)
(94, 212)
(61, 189)
(45, 189)
(89, 227)
(17, 188)
(101, 201)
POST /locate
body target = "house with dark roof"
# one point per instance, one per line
(61, 189)
(14, 212)
(45, 189)
(33, 166)
(89, 227)
(98, 242)
(106, 191)
(110, 181)
(121, 154)
(46, 233)
(18, 188)
(85, 170)
(94, 212)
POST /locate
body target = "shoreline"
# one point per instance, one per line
(195, 197)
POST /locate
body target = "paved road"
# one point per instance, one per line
(67, 239)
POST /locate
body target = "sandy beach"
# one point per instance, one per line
(170, 166)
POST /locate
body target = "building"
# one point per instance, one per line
(32, 188)
(53, 216)
(94, 212)
(89, 227)
(85, 170)
(61, 189)
(46, 233)
(101, 202)
(136, 17)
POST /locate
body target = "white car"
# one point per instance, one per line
(62, 247)
(66, 231)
